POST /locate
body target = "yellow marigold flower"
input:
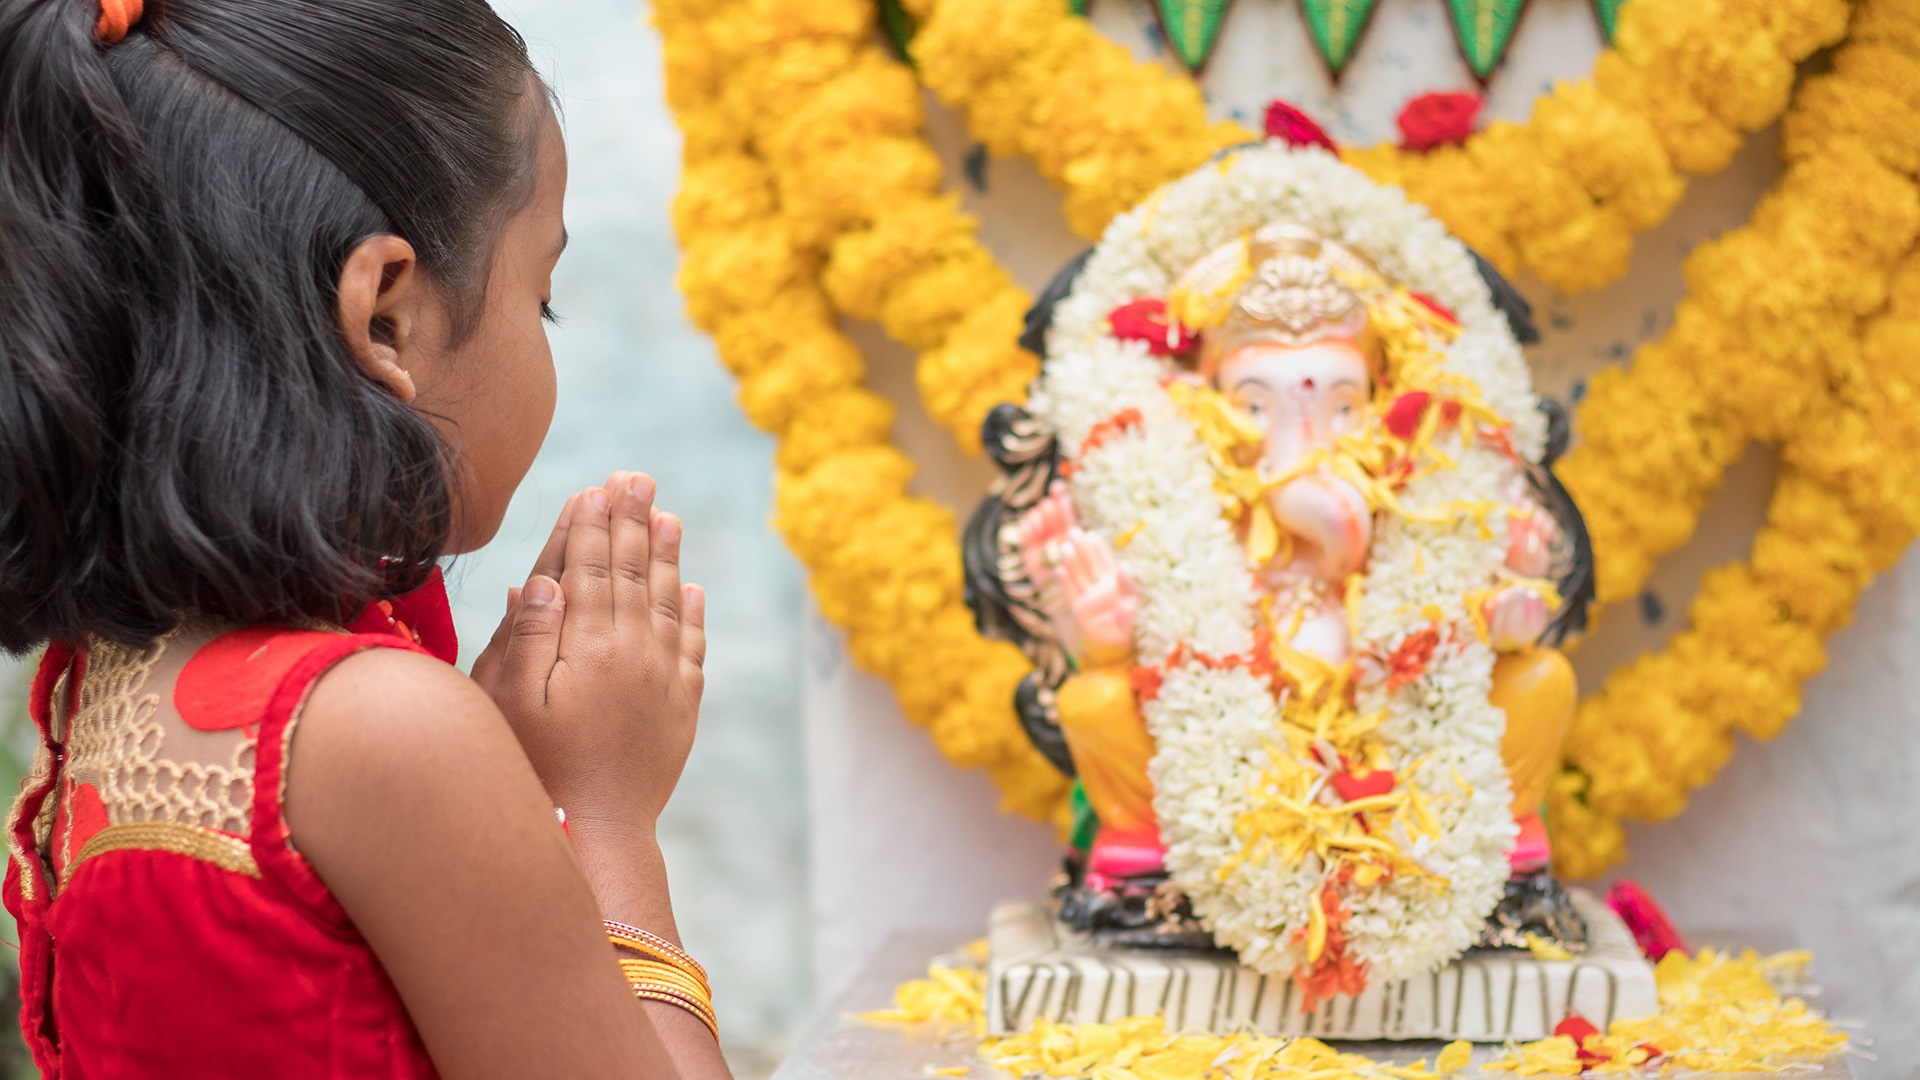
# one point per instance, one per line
(722, 193)
(921, 310)
(734, 271)
(708, 130)
(808, 367)
(847, 419)
(692, 70)
(754, 338)
(845, 185)
(872, 97)
(865, 264)
(1611, 151)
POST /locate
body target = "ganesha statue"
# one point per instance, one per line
(1280, 534)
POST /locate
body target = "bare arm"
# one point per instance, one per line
(428, 810)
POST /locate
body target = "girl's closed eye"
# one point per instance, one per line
(547, 313)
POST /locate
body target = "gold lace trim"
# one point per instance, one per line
(119, 743)
(207, 845)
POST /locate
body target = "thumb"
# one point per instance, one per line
(486, 666)
(533, 648)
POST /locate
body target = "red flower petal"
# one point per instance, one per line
(1146, 682)
(1403, 416)
(1439, 119)
(1436, 307)
(1287, 122)
(1575, 1027)
(1146, 320)
(1651, 929)
(1351, 785)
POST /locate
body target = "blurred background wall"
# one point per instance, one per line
(813, 820)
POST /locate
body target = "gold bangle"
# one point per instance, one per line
(649, 971)
(679, 963)
(652, 944)
(705, 1016)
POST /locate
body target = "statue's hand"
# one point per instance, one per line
(1516, 616)
(1098, 594)
(1528, 537)
(1042, 529)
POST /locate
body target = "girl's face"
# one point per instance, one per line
(492, 395)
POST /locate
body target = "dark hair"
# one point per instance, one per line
(182, 427)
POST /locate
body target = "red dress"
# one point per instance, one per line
(167, 926)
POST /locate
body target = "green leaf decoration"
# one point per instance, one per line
(1191, 27)
(900, 26)
(1079, 6)
(1485, 28)
(1609, 12)
(1336, 26)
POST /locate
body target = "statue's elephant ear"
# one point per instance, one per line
(1033, 337)
(1005, 605)
(1508, 301)
(1572, 571)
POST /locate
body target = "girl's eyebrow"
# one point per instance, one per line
(562, 245)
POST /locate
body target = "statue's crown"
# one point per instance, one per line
(1282, 283)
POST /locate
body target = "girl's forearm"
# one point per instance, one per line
(628, 875)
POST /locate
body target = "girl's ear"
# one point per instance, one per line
(380, 296)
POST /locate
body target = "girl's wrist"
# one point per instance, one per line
(624, 867)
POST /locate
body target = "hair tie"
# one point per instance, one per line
(116, 18)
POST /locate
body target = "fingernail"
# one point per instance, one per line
(668, 528)
(642, 487)
(696, 599)
(598, 499)
(540, 592)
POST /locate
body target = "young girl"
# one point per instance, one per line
(271, 285)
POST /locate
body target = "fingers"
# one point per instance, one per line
(693, 640)
(664, 576)
(553, 557)
(1073, 570)
(588, 578)
(533, 647)
(632, 546)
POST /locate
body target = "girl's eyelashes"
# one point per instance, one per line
(547, 313)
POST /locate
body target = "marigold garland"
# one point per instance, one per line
(837, 189)
(1561, 195)
(833, 199)
(1800, 332)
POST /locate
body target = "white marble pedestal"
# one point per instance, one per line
(1038, 969)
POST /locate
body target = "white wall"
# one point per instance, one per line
(1811, 839)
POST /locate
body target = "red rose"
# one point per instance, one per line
(1297, 128)
(1432, 120)
(1146, 320)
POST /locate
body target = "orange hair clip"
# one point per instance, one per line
(116, 18)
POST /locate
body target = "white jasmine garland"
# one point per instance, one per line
(1152, 483)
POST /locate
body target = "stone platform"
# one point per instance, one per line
(1039, 969)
